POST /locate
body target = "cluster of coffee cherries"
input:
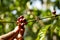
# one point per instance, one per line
(21, 21)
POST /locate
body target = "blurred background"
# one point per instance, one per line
(43, 24)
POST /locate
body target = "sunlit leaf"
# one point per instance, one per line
(42, 33)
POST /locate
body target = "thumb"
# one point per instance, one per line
(16, 29)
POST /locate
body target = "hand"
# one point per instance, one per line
(11, 35)
(17, 33)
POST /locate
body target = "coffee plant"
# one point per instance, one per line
(42, 24)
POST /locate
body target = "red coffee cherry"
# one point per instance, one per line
(24, 19)
(54, 12)
(21, 25)
(18, 18)
(25, 23)
(21, 16)
(21, 20)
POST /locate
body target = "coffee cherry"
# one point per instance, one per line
(25, 23)
(21, 16)
(24, 20)
(18, 19)
(54, 12)
(21, 20)
(22, 24)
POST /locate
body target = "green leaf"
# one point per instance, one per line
(46, 13)
(42, 33)
(37, 12)
(30, 24)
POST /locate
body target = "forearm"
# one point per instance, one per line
(8, 35)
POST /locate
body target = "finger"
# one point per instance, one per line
(19, 35)
(15, 39)
(22, 31)
(16, 29)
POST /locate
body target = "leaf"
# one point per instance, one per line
(30, 24)
(42, 33)
(58, 26)
(46, 13)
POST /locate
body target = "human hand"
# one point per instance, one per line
(18, 32)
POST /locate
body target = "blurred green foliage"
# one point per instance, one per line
(41, 23)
